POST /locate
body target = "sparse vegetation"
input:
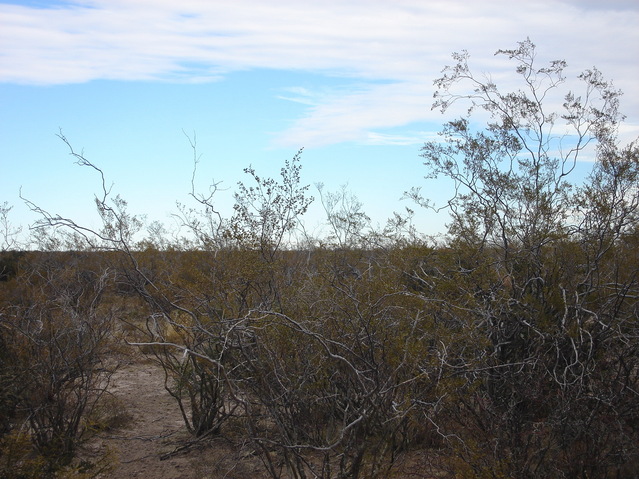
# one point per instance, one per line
(509, 349)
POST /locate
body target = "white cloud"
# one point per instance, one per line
(349, 116)
(403, 43)
(414, 138)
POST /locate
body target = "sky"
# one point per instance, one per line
(131, 82)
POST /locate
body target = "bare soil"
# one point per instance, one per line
(153, 442)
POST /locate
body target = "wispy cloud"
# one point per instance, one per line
(412, 138)
(404, 44)
(352, 115)
(299, 95)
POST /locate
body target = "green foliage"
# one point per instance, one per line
(266, 212)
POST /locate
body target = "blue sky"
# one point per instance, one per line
(348, 80)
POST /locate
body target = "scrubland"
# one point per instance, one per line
(507, 347)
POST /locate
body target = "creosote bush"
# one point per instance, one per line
(507, 349)
(56, 332)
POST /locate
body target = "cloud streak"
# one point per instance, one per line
(404, 44)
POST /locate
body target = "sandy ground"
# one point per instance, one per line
(155, 429)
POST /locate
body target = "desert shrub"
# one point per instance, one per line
(55, 362)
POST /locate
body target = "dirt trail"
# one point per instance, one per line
(154, 429)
